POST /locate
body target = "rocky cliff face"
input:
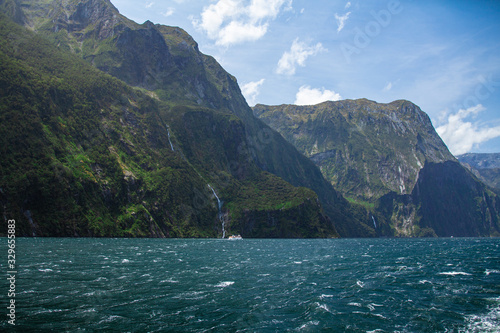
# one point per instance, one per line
(128, 124)
(452, 202)
(388, 158)
(362, 147)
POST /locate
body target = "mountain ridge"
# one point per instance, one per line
(198, 100)
(376, 124)
(388, 157)
(170, 148)
(484, 166)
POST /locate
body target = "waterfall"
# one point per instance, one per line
(219, 204)
(374, 223)
(171, 145)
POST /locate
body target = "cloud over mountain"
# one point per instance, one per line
(310, 96)
(297, 56)
(251, 90)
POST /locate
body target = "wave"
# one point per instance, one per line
(224, 284)
(454, 273)
(337, 292)
(45, 270)
(110, 319)
(489, 322)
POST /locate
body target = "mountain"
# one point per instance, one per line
(125, 129)
(484, 166)
(389, 158)
(113, 128)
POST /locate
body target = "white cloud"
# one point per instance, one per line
(170, 11)
(341, 20)
(237, 32)
(150, 4)
(231, 21)
(388, 87)
(310, 96)
(347, 5)
(461, 135)
(262, 9)
(251, 90)
(298, 54)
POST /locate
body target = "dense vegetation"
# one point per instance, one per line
(84, 154)
(65, 139)
(113, 128)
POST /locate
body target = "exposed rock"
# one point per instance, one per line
(389, 158)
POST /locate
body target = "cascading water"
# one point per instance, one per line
(374, 223)
(171, 145)
(219, 204)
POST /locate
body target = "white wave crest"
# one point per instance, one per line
(454, 273)
(224, 284)
(487, 323)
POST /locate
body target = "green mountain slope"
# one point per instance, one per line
(126, 129)
(389, 158)
(65, 130)
(165, 62)
(84, 154)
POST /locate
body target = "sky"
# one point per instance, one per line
(442, 55)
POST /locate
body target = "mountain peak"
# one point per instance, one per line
(73, 16)
(386, 144)
(119, 163)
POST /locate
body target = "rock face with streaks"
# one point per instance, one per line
(389, 158)
(365, 148)
(117, 128)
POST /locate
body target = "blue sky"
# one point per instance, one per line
(442, 55)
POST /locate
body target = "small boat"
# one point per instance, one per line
(235, 237)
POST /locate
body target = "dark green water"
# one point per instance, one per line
(185, 285)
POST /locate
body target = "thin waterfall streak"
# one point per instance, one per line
(219, 204)
(216, 197)
(168, 133)
(374, 223)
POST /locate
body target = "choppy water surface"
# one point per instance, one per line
(186, 285)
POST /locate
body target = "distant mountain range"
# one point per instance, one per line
(484, 166)
(113, 128)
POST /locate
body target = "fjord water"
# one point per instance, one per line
(258, 285)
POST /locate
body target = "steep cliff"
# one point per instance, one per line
(388, 158)
(125, 129)
(83, 154)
